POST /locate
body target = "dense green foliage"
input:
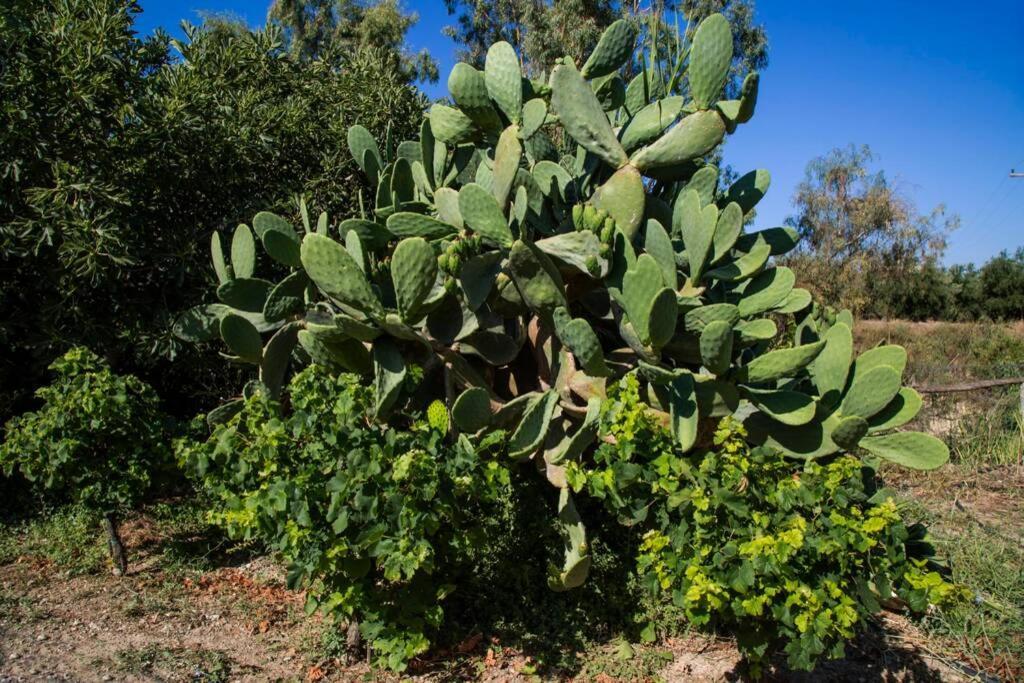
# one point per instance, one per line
(318, 28)
(508, 292)
(120, 154)
(375, 521)
(99, 439)
(787, 558)
(929, 291)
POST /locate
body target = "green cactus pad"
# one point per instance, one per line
(279, 238)
(640, 284)
(697, 319)
(751, 331)
(697, 229)
(482, 214)
(451, 126)
(200, 324)
(901, 410)
(477, 277)
(354, 247)
(389, 371)
(705, 183)
(910, 449)
(245, 294)
(220, 266)
(361, 141)
(798, 300)
(748, 97)
(469, 90)
(850, 430)
(716, 346)
(331, 267)
(610, 91)
(535, 111)
(767, 290)
(242, 338)
(727, 231)
(791, 408)
(582, 117)
(507, 155)
(355, 329)
(243, 252)
(576, 565)
(536, 277)
(682, 404)
(691, 138)
(624, 198)
(830, 369)
(276, 356)
(574, 249)
(573, 446)
(662, 314)
(372, 235)
(743, 267)
(413, 272)
(579, 337)
(471, 411)
(504, 77)
(533, 427)
(286, 298)
(710, 60)
(806, 442)
(344, 354)
(613, 49)
(781, 240)
(650, 122)
(749, 189)
(407, 224)
(658, 244)
(778, 364)
(446, 201)
(495, 348)
(892, 355)
(221, 414)
(870, 391)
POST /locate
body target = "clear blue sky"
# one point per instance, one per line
(935, 88)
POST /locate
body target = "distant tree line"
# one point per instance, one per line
(866, 247)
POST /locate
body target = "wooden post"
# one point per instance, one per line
(115, 546)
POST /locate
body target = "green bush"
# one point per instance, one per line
(787, 558)
(374, 521)
(521, 260)
(100, 439)
(120, 154)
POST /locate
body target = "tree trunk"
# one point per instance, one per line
(353, 640)
(117, 554)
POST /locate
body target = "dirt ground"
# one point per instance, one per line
(241, 624)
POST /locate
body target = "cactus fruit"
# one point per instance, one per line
(533, 277)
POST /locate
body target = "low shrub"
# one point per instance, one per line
(374, 521)
(786, 557)
(100, 440)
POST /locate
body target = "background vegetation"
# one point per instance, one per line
(120, 155)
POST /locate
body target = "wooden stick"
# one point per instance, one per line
(971, 386)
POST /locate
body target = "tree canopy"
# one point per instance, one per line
(316, 28)
(857, 227)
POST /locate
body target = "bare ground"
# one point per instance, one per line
(241, 624)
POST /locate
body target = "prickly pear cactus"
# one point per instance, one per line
(544, 239)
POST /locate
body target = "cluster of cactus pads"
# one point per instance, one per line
(542, 239)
